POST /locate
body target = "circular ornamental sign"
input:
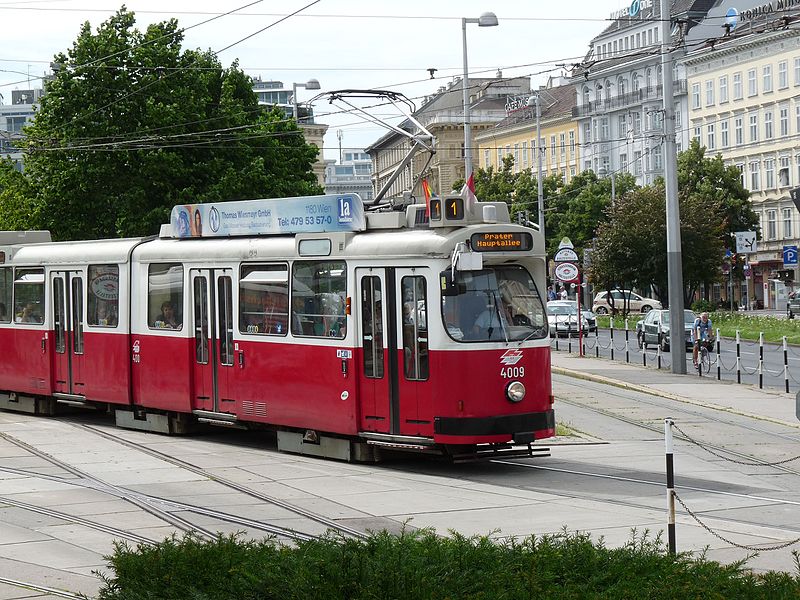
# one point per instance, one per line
(566, 272)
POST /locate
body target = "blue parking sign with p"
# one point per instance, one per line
(790, 255)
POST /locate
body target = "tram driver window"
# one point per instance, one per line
(319, 292)
(6, 280)
(264, 299)
(29, 296)
(103, 295)
(165, 296)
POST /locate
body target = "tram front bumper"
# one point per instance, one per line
(512, 425)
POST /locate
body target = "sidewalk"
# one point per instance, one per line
(768, 404)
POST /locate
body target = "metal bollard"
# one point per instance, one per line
(612, 338)
(786, 364)
(719, 362)
(760, 360)
(738, 359)
(597, 342)
(658, 351)
(627, 349)
(569, 337)
(670, 485)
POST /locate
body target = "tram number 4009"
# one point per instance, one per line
(512, 372)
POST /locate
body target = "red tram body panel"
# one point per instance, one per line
(404, 333)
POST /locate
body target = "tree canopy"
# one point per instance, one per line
(131, 125)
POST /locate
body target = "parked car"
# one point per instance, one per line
(590, 317)
(655, 329)
(793, 306)
(635, 303)
(563, 319)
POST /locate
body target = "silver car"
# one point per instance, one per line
(590, 317)
(563, 319)
(655, 329)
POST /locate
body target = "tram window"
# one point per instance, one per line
(319, 290)
(5, 294)
(165, 296)
(372, 326)
(77, 315)
(225, 320)
(264, 299)
(415, 328)
(29, 296)
(496, 304)
(103, 295)
(201, 320)
(59, 318)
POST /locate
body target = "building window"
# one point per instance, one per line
(657, 162)
(486, 159)
(797, 162)
(755, 174)
(572, 142)
(797, 71)
(562, 140)
(723, 89)
(752, 83)
(769, 174)
(553, 147)
(783, 75)
(740, 168)
(516, 157)
(587, 165)
(711, 141)
(623, 163)
(695, 95)
(754, 127)
(772, 224)
(710, 92)
(637, 122)
(787, 223)
(697, 134)
(737, 86)
(525, 154)
(783, 173)
(499, 158)
(768, 126)
(766, 71)
(723, 129)
(784, 115)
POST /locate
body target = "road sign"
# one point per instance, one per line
(747, 271)
(789, 255)
(745, 242)
(566, 272)
(566, 255)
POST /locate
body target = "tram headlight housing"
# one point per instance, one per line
(515, 391)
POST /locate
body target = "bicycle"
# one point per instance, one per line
(704, 359)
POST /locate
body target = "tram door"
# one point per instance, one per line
(67, 289)
(393, 340)
(212, 322)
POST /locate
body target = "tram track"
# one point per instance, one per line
(34, 587)
(154, 505)
(677, 435)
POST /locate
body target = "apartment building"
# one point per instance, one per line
(516, 134)
(744, 104)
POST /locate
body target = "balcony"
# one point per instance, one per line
(651, 92)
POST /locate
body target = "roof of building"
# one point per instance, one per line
(555, 102)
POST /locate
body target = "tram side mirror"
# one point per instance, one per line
(449, 285)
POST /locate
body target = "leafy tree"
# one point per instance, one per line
(132, 125)
(16, 209)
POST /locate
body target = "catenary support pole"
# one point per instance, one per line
(668, 423)
(674, 268)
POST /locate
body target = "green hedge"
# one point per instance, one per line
(423, 566)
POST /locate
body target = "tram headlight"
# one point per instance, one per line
(515, 391)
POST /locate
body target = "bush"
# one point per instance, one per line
(700, 306)
(423, 566)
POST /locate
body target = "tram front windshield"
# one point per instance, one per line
(495, 305)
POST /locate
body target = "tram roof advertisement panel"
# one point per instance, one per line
(274, 216)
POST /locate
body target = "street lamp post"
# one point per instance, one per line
(487, 19)
(534, 100)
(311, 84)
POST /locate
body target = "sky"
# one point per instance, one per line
(345, 44)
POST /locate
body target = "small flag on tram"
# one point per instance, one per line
(427, 190)
(468, 192)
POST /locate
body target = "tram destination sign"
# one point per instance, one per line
(501, 241)
(273, 216)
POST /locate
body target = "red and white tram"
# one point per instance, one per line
(404, 332)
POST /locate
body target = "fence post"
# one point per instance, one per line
(760, 360)
(658, 350)
(786, 364)
(597, 342)
(627, 350)
(719, 362)
(612, 337)
(569, 336)
(738, 359)
(668, 422)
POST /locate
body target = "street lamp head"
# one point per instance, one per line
(487, 19)
(312, 84)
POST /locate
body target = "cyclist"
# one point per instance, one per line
(701, 332)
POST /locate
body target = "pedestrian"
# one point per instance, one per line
(551, 293)
(564, 294)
